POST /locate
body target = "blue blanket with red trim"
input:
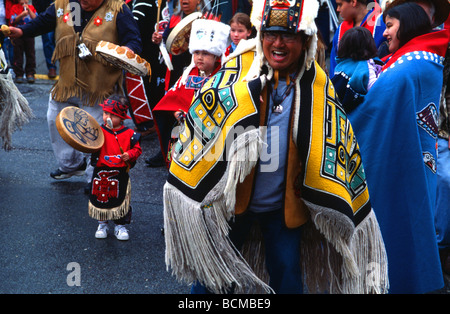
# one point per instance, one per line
(396, 127)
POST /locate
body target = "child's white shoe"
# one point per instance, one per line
(121, 232)
(101, 232)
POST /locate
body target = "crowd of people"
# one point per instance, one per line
(18, 13)
(286, 173)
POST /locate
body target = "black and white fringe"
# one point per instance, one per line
(197, 244)
(14, 110)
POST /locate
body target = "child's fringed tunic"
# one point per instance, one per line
(111, 188)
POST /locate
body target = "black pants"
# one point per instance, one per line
(125, 220)
(24, 46)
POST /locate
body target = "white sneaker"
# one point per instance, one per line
(121, 232)
(101, 232)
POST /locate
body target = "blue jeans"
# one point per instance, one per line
(48, 45)
(282, 248)
(9, 50)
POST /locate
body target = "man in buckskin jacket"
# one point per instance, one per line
(85, 81)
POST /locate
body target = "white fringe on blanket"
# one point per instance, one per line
(14, 110)
(197, 243)
(336, 258)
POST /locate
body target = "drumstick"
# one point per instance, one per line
(159, 11)
(110, 125)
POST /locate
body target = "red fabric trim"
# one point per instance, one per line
(434, 42)
(177, 98)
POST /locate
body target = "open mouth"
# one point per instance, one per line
(278, 55)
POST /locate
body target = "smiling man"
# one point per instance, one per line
(273, 91)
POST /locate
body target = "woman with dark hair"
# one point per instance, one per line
(357, 67)
(403, 23)
(396, 127)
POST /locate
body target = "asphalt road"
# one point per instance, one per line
(47, 237)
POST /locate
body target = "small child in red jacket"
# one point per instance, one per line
(110, 193)
(22, 13)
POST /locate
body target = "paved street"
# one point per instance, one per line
(46, 226)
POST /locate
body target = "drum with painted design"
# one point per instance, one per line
(79, 129)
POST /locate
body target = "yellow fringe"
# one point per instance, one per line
(66, 46)
(115, 5)
(62, 93)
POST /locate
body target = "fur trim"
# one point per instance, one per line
(309, 13)
(209, 35)
(257, 13)
(14, 110)
(243, 46)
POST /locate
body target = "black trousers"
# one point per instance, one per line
(24, 46)
(125, 220)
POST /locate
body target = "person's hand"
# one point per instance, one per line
(156, 38)
(125, 157)
(25, 11)
(15, 32)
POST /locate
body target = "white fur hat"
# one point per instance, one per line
(209, 35)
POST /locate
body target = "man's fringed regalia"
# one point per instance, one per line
(342, 248)
(92, 79)
(14, 108)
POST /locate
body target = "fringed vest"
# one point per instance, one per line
(91, 79)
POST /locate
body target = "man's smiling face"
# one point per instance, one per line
(283, 50)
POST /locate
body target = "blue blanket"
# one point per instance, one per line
(396, 127)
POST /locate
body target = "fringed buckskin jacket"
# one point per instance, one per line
(91, 79)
